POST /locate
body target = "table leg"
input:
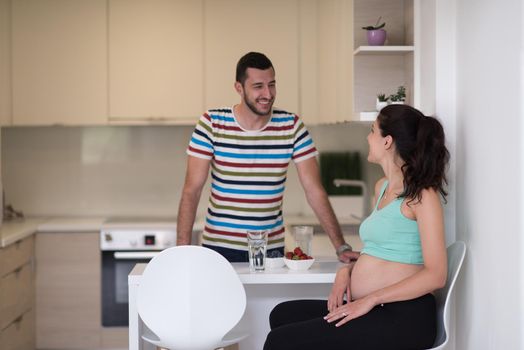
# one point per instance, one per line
(134, 327)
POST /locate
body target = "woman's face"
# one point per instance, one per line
(376, 144)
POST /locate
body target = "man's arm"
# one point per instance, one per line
(317, 198)
(196, 176)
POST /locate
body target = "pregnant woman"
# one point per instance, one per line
(389, 288)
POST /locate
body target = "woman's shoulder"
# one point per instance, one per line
(430, 199)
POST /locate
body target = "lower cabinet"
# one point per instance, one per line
(20, 334)
(68, 293)
(17, 296)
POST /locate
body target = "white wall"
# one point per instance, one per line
(485, 67)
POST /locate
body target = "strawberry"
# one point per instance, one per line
(289, 255)
(298, 251)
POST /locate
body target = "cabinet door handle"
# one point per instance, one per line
(16, 322)
(17, 271)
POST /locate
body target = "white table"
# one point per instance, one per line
(264, 290)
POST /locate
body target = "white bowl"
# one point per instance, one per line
(274, 263)
(299, 265)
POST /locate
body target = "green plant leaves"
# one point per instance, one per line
(375, 27)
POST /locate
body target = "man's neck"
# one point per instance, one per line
(249, 120)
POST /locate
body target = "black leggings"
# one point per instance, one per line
(299, 324)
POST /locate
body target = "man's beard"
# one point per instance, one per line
(254, 109)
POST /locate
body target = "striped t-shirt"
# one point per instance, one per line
(248, 170)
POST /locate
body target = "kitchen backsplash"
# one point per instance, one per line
(126, 170)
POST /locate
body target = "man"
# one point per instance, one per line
(249, 148)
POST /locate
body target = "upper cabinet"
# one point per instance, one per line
(98, 62)
(308, 41)
(59, 62)
(326, 61)
(382, 69)
(156, 61)
(5, 74)
(235, 27)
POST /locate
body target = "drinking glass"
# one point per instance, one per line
(303, 236)
(257, 246)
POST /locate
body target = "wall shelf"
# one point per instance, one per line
(382, 69)
(383, 50)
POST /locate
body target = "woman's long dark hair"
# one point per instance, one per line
(420, 142)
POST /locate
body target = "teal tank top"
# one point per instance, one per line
(387, 234)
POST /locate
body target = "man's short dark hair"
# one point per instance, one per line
(251, 60)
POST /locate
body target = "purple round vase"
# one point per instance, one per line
(376, 37)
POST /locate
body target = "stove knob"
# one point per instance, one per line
(108, 237)
(133, 243)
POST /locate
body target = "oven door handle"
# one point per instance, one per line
(134, 255)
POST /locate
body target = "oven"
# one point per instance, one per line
(124, 243)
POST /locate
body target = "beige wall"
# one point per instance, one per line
(123, 170)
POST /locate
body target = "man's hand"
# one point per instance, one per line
(348, 256)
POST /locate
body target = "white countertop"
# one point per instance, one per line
(72, 224)
(319, 272)
(15, 230)
(322, 271)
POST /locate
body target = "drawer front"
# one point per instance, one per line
(16, 294)
(19, 335)
(16, 255)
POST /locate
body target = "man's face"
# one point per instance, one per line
(259, 90)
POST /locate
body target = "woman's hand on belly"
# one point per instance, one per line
(340, 287)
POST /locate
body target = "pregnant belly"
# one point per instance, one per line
(370, 274)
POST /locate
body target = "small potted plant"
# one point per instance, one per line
(382, 101)
(399, 97)
(376, 34)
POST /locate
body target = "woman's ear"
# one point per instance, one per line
(388, 142)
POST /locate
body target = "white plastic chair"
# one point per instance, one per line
(189, 298)
(456, 253)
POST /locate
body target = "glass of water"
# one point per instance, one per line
(303, 236)
(257, 246)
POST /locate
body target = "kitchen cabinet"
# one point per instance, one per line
(67, 291)
(17, 295)
(235, 27)
(327, 98)
(94, 62)
(59, 62)
(308, 42)
(5, 73)
(382, 69)
(155, 61)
